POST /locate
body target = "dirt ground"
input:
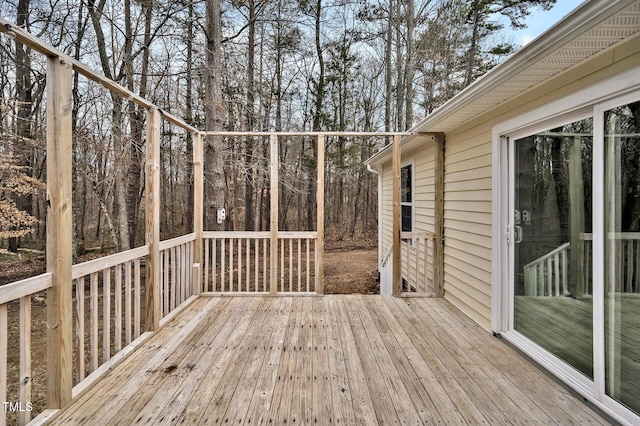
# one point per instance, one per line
(350, 267)
(348, 271)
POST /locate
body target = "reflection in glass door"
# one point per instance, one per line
(622, 254)
(551, 241)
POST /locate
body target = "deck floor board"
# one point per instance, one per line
(325, 360)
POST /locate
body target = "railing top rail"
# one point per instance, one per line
(174, 242)
(297, 234)
(386, 256)
(548, 255)
(97, 265)
(26, 287)
(622, 236)
(259, 234)
(236, 234)
(417, 234)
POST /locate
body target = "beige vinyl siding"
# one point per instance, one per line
(467, 224)
(468, 196)
(386, 214)
(423, 162)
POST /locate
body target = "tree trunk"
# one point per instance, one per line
(473, 48)
(408, 71)
(189, 114)
(250, 176)
(214, 112)
(21, 150)
(387, 72)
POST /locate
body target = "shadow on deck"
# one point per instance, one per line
(329, 359)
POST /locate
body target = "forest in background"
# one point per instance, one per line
(278, 65)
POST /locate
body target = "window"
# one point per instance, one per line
(406, 198)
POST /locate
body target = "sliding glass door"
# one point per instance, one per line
(622, 254)
(572, 292)
(551, 243)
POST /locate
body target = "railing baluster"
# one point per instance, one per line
(290, 264)
(308, 266)
(564, 290)
(231, 285)
(136, 302)
(93, 311)
(281, 242)
(178, 274)
(629, 282)
(264, 264)
(206, 264)
(127, 302)
(165, 282)
(24, 416)
(418, 283)
(256, 248)
(214, 263)
(299, 265)
(174, 277)
(106, 314)
(223, 266)
(637, 267)
(555, 279)
(239, 264)
(3, 360)
(186, 272)
(118, 309)
(248, 256)
(80, 328)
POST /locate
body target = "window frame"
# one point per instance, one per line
(410, 163)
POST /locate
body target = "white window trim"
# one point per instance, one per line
(411, 163)
(593, 101)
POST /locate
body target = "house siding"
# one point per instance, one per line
(467, 223)
(423, 207)
(468, 183)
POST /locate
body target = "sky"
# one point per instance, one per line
(540, 20)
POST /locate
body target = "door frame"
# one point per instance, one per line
(592, 101)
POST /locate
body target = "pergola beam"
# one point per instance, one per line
(310, 134)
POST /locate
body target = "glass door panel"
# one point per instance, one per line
(552, 242)
(622, 254)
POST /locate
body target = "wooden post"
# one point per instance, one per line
(152, 220)
(320, 218)
(198, 206)
(59, 231)
(397, 262)
(438, 247)
(273, 139)
(576, 224)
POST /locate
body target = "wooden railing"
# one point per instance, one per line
(386, 273)
(417, 260)
(624, 262)
(19, 291)
(298, 275)
(241, 262)
(109, 305)
(418, 270)
(108, 313)
(179, 275)
(548, 275)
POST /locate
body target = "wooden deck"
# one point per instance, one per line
(330, 359)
